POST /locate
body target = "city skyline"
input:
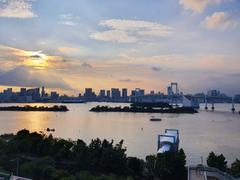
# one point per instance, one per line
(78, 44)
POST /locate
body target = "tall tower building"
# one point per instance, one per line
(43, 92)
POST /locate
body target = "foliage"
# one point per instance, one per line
(235, 169)
(171, 165)
(150, 162)
(135, 166)
(33, 150)
(43, 157)
(217, 161)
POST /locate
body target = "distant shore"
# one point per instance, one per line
(178, 110)
(35, 108)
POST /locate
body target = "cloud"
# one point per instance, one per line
(68, 19)
(72, 51)
(199, 5)
(129, 81)
(219, 20)
(68, 23)
(157, 69)
(27, 77)
(16, 9)
(114, 36)
(130, 31)
(86, 65)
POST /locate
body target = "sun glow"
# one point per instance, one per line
(36, 59)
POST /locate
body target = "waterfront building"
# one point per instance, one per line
(23, 92)
(116, 94)
(108, 93)
(213, 93)
(43, 91)
(89, 95)
(124, 92)
(54, 96)
(102, 93)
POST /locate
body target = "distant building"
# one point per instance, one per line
(89, 95)
(43, 91)
(108, 93)
(23, 92)
(169, 91)
(139, 92)
(213, 93)
(237, 98)
(102, 93)
(54, 96)
(124, 92)
(115, 94)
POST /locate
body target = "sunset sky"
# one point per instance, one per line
(72, 44)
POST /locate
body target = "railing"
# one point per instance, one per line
(209, 169)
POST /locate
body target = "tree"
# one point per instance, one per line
(171, 165)
(135, 166)
(150, 162)
(217, 161)
(235, 169)
(39, 169)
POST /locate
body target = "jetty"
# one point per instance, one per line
(35, 108)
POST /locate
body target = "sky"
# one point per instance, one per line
(68, 45)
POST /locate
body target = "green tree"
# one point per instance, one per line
(150, 162)
(39, 169)
(235, 169)
(171, 165)
(135, 166)
(217, 161)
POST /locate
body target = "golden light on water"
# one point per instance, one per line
(36, 59)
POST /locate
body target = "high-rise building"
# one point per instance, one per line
(54, 95)
(108, 93)
(139, 92)
(133, 93)
(102, 93)
(116, 94)
(89, 95)
(43, 91)
(23, 92)
(8, 93)
(169, 91)
(124, 92)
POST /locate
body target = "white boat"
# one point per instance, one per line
(169, 141)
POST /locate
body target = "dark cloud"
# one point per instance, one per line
(129, 80)
(157, 69)
(28, 77)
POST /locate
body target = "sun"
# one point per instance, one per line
(36, 59)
